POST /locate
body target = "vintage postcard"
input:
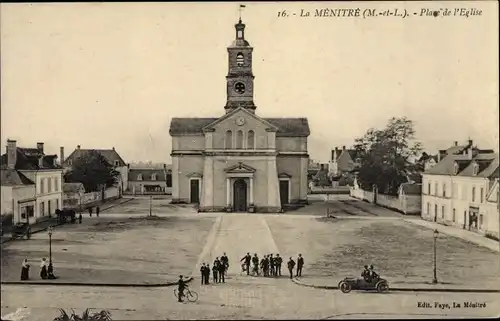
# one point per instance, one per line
(249, 160)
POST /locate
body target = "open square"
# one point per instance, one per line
(132, 250)
(399, 251)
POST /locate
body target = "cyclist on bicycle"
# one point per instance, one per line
(181, 285)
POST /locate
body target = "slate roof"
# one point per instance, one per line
(72, 187)
(111, 155)
(287, 127)
(147, 174)
(27, 159)
(411, 188)
(12, 177)
(488, 165)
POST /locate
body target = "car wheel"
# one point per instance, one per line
(345, 287)
(382, 287)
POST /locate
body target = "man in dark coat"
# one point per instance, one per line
(266, 265)
(271, 264)
(181, 285)
(215, 270)
(247, 258)
(222, 272)
(255, 262)
(291, 265)
(97, 210)
(207, 274)
(279, 261)
(80, 218)
(90, 211)
(225, 261)
(203, 273)
(300, 265)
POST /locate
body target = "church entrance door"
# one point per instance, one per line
(284, 192)
(195, 191)
(240, 196)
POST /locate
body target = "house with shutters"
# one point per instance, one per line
(455, 189)
(31, 183)
(147, 180)
(240, 161)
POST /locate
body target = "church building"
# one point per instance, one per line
(239, 161)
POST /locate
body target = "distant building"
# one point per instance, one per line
(456, 187)
(111, 156)
(150, 180)
(72, 195)
(22, 167)
(426, 161)
(342, 165)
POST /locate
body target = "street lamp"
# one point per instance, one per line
(436, 233)
(150, 205)
(49, 230)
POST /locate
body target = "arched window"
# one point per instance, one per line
(240, 60)
(139, 177)
(153, 177)
(229, 140)
(251, 140)
(239, 139)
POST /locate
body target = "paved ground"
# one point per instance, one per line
(332, 248)
(249, 299)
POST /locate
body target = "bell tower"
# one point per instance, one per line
(240, 77)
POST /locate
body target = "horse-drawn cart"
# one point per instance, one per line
(21, 230)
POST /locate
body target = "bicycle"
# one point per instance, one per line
(191, 296)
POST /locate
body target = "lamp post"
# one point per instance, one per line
(436, 233)
(150, 205)
(49, 230)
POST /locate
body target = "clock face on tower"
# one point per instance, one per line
(239, 88)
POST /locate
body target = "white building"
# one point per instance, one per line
(37, 168)
(454, 190)
(490, 210)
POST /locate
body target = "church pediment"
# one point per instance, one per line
(240, 117)
(194, 174)
(240, 168)
(284, 175)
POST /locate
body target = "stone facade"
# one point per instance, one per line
(239, 161)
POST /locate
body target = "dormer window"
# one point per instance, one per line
(139, 177)
(240, 60)
(475, 169)
(455, 168)
(153, 177)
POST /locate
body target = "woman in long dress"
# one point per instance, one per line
(43, 269)
(25, 270)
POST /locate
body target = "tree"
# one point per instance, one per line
(322, 179)
(93, 171)
(384, 155)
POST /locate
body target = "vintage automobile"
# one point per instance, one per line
(350, 283)
(20, 230)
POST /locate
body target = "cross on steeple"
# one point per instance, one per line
(239, 9)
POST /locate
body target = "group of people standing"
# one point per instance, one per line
(219, 270)
(46, 270)
(270, 265)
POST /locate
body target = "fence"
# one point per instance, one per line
(74, 200)
(406, 204)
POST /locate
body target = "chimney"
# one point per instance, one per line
(438, 156)
(333, 155)
(456, 143)
(77, 146)
(343, 147)
(11, 154)
(113, 147)
(128, 165)
(470, 142)
(61, 152)
(39, 146)
(469, 152)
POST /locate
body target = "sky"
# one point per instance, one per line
(105, 75)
